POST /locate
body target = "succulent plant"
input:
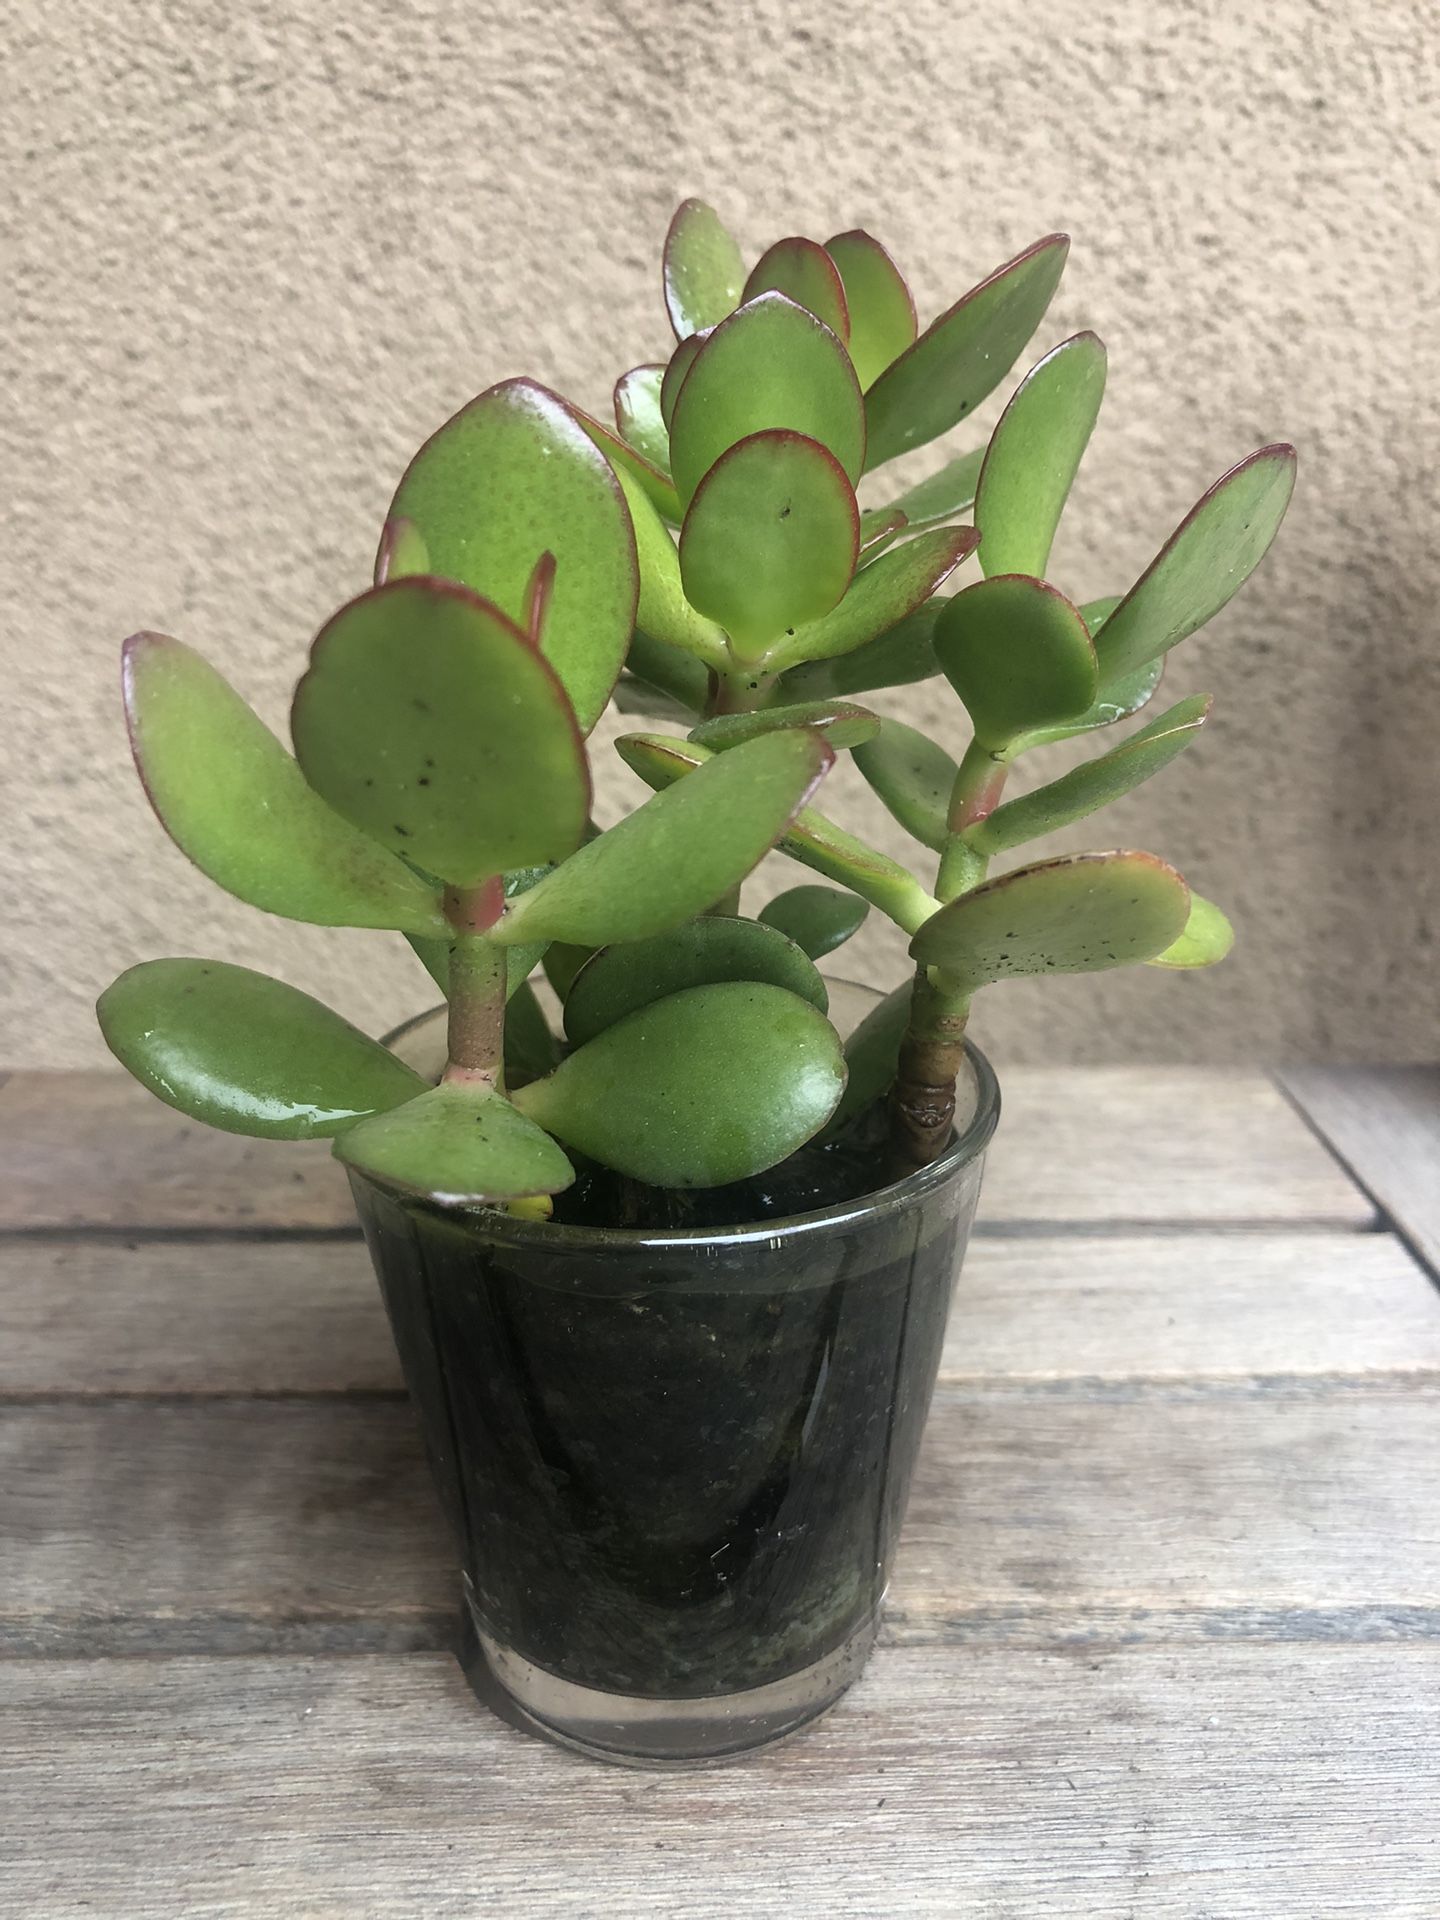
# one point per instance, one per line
(706, 562)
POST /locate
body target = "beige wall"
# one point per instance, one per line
(259, 250)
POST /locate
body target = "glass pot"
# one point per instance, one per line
(676, 1463)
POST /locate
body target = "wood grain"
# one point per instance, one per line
(1087, 1145)
(242, 1525)
(101, 1315)
(1200, 1783)
(1384, 1122)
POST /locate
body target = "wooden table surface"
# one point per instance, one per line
(1164, 1638)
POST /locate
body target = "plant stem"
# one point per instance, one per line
(922, 1101)
(475, 1035)
(979, 784)
(738, 689)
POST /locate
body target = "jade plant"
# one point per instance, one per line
(706, 563)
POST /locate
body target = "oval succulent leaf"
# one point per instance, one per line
(618, 981)
(1082, 914)
(678, 674)
(1085, 789)
(1203, 564)
(913, 777)
(664, 611)
(879, 529)
(246, 1053)
(1206, 939)
(458, 1145)
(841, 723)
(531, 1049)
(703, 269)
(881, 311)
(804, 273)
(872, 1054)
(675, 375)
(817, 919)
(638, 416)
(431, 723)
(402, 551)
(1019, 655)
(679, 853)
(964, 355)
(880, 596)
(1117, 699)
(622, 458)
(514, 475)
(899, 657)
(233, 800)
(951, 491)
(636, 696)
(770, 539)
(704, 1088)
(1034, 455)
(771, 364)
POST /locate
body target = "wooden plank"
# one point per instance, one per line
(1384, 1122)
(100, 1315)
(1086, 1145)
(1249, 1782)
(247, 1525)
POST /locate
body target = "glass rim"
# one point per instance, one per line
(964, 1150)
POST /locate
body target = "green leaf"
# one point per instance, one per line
(812, 839)
(531, 1049)
(1018, 654)
(872, 1054)
(622, 458)
(247, 1053)
(880, 596)
(898, 658)
(636, 696)
(562, 963)
(460, 1145)
(429, 721)
(679, 853)
(1117, 699)
(804, 273)
(402, 551)
(771, 364)
(618, 981)
(706, 1087)
(842, 724)
(881, 311)
(817, 919)
(770, 539)
(1203, 564)
(1206, 939)
(703, 269)
(664, 612)
(676, 373)
(913, 777)
(964, 355)
(638, 416)
(681, 675)
(1085, 789)
(880, 529)
(1034, 455)
(233, 800)
(1084, 913)
(933, 502)
(510, 477)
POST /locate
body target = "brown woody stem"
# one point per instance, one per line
(475, 1034)
(922, 1101)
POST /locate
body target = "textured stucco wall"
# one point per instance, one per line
(256, 252)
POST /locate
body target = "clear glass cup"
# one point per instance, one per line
(677, 1463)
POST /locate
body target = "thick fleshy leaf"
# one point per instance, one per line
(881, 311)
(514, 475)
(703, 269)
(914, 777)
(842, 724)
(1081, 914)
(1034, 455)
(1207, 937)
(679, 853)
(636, 696)
(771, 364)
(812, 839)
(817, 919)
(1019, 655)
(770, 539)
(1203, 564)
(1086, 789)
(402, 551)
(804, 273)
(680, 674)
(429, 721)
(233, 800)
(459, 1145)
(880, 596)
(1116, 700)
(677, 372)
(951, 491)
(618, 981)
(664, 612)
(872, 1054)
(624, 459)
(708, 1086)
(964, 355)
(880, 529)
(638, 416)
(246, 1053)
(531, 1049)
(562, 963)
(897, 658)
